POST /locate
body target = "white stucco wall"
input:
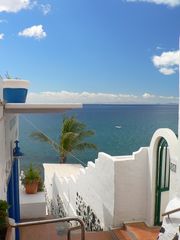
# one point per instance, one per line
(2, 156)
(94, 183)
(114, 187)
(8, 134)
(131, 187)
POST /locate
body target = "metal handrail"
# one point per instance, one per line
(170, 212)
(67, 219)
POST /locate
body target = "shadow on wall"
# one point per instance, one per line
(92, 223)
(108, 218)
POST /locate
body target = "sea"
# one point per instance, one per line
(119, 130)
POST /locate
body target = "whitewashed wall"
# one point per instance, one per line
(114, 187)
(131, 187)
(8, 134)
(96, 186)
(2, 156)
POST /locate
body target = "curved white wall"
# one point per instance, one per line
(172, 141)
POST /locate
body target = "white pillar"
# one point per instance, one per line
(178, 146)
(179, 96)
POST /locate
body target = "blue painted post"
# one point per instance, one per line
(16, 193)
(10, 195)
(16, 154)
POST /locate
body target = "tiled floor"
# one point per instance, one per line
(133, 231)
(137, 231)
(50, 232)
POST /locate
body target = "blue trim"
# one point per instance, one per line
(10, 196)
(16, 189)
(16, 194)
(14, 95)
(16, 151)
(13, 195)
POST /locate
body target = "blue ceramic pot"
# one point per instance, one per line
(15, 91)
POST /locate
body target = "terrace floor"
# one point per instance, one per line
(131, 231)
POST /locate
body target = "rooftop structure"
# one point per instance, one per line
(39, 108)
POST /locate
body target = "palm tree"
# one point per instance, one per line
(72, 138)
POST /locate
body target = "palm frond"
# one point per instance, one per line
(84, 134)
(72, 137)
(67, 141)
(44, 138)
(85, 145)
(71, 124)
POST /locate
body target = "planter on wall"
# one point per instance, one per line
(31, 188)
(15, 90)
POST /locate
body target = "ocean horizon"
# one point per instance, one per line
(120, 129)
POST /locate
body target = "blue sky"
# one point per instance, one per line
(113, 51)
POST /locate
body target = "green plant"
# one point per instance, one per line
(3, 213)
(8, 76)
(31, 180)
(30, 175)
(40, 185)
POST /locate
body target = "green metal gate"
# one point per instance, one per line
(162, 177)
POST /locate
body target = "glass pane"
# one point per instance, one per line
(163, 165)
(167, 169)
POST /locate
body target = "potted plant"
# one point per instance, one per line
(30, 179)
(3, 219)
(14, 89)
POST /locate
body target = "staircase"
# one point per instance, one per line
(130, 231)
(136, 231)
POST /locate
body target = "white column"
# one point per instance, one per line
(178, 146)
(179, 96)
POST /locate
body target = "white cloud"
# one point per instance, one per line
(1, 36)
(167, 62)
(13, 5)
(32, 4)
(170, 58)
(46, 8)
(89, 97)
(148, 95)
(171, 3)
(167, 71)
(36, 32)
(18, 5)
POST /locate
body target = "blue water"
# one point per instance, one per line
(120, 130)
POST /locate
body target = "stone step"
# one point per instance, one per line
(121, 234)
(141, 231)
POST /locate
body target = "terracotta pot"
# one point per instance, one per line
(31, 188)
